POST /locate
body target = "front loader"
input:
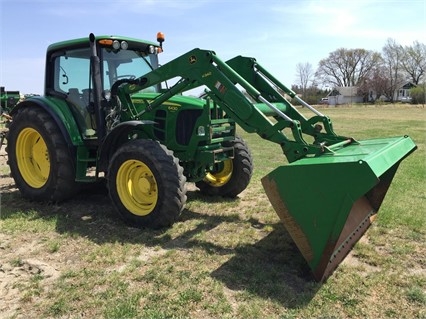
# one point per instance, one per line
(106, 110)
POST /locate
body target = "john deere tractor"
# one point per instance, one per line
(108, 113)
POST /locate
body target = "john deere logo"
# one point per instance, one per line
(192, 59)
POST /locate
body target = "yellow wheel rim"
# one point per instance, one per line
(137, 187)
(32, 157)
(222, 176)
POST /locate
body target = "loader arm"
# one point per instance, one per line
(201, 67)
(331, 190)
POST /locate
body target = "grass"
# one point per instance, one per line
(223, 258)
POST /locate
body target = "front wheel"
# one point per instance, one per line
(146, 184)
(230, 177)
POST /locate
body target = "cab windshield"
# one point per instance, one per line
(126, 64)
(72, 69)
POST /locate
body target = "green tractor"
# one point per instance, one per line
(147, 155)
(108, 113)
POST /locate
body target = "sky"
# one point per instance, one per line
(278, 33)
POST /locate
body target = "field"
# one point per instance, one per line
(223, 258)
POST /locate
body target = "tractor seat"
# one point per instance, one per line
(80, 106)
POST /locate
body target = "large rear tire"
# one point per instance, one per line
(39, 159)
(232, 176)
(146, 184)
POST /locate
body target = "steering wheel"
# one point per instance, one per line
(125, 79)
(126, 76)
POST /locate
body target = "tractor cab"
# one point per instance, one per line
(69, 75)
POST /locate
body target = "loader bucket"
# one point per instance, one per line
(328, 202)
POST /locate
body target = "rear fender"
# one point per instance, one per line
(117, 137)
(60, 113)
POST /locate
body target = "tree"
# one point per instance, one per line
(305, 74)
(392, 56)
(347, 67)
(413, 61)
(376, 85)
(312, 94)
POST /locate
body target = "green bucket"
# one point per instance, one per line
(328, 202)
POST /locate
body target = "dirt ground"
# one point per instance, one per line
(25, 264)
(12, 274)
(18, 268)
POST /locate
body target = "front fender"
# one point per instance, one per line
(117, 137)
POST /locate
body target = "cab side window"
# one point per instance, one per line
(73, 71)
(72, 77)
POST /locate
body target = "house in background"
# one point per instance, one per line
(344, 95)
(350, 95)
(403, 93)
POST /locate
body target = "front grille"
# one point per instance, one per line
(185, 124)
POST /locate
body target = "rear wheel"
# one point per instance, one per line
(146, 184)
(230, 177)
(39, 159)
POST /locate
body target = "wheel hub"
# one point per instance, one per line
(137, 187)
(33, 158)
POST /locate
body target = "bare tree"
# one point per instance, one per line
(376, 85)
(392, 56)
(347, 67)
(413, 61)
(305, 74)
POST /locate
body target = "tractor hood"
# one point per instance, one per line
(142, 100)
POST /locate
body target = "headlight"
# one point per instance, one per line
(124, 45)
(201, 131)
(116, 45)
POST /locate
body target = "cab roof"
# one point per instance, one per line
(81, 41)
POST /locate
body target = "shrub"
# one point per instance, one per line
(418, 94)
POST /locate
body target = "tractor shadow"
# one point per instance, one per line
(272, 268)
